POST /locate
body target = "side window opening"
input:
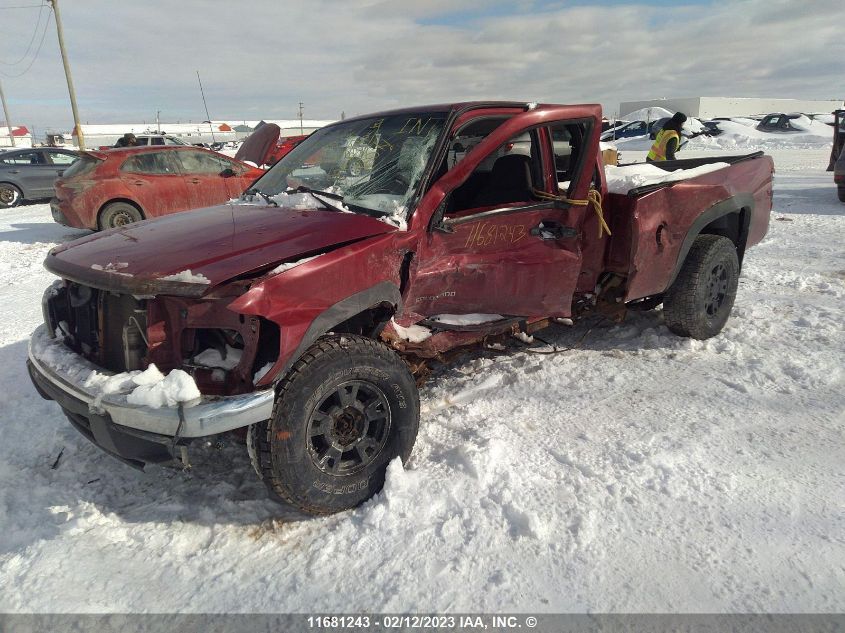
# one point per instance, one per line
(201, 162)
(150, 163)
(568, 141)
(507, 175)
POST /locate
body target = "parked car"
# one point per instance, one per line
(712, 128)
(778, 123)
(158, 139)
(144, 140)
(300, 321)
(627, 130)
(28, 174)
(111, 188)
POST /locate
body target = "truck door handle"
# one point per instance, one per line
(139, 183)
(551, 230)
(195, 181)
(14, 171)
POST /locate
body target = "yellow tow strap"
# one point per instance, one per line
(593, 198)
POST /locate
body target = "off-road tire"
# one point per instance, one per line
(117, 214)
(285, 450)
(700, 300)
(10, 195)
(841, 192)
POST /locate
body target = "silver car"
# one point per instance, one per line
(28, 174)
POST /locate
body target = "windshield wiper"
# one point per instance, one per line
(253, 191)
(316, 194)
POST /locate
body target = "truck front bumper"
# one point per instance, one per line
(136, 434)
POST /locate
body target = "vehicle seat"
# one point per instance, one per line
(510, 181)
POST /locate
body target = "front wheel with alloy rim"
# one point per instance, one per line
(346, 409)
(118, 214)
(700, 300)
(10, 196)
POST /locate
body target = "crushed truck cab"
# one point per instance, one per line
(300, 310)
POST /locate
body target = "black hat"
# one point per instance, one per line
(680, 117)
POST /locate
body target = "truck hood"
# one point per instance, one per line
(187, 254)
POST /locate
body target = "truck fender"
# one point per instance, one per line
(741, 204)
(343, 310)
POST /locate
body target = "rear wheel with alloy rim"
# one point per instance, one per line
(700, 300)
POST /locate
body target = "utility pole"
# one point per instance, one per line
(80, 137)
(300, 118)
(6, 114)
(158, 121)
(207, 115)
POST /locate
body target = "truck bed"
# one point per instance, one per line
(654, 225)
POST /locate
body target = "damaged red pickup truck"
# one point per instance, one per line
(297, 312)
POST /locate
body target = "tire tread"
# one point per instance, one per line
(681, 311)
(262, 438)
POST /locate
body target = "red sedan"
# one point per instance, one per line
(111, 188)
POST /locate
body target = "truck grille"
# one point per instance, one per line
(106, 328)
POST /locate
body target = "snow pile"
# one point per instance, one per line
(149, 387)
(212, 357)
(299, 201)
(288, 265)
(186, 276)
(157, 390)
(623, 179)
(412, 333)
(263, 371)
(648, 114)
(465, 319)
(112, 268)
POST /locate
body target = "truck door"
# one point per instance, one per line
(499, 243)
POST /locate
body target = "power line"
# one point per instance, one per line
(31, 40)
(23, 6)
(37, 51)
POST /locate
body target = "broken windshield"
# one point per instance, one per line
(370, 165)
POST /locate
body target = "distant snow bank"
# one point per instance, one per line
(742, 134)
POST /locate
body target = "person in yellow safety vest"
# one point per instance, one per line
(668, 140)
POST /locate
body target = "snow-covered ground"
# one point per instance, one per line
(638, 472)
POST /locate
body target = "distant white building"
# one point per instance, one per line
(22, 136)
(710, 107)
